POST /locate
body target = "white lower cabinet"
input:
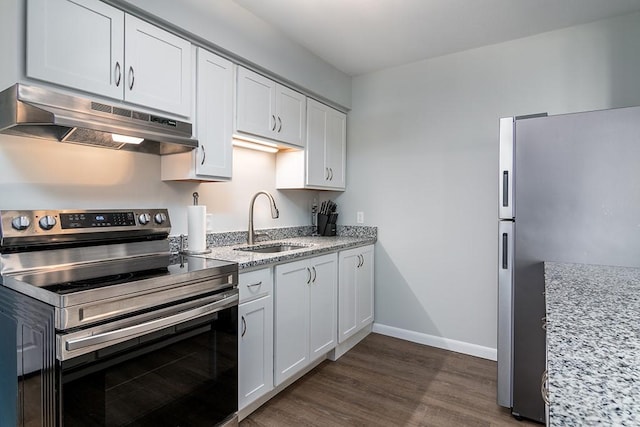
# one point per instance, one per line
(305, 313)
(255, 336)
(355, 291)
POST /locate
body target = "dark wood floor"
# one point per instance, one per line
(385, 381)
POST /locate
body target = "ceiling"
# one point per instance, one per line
(361, 36)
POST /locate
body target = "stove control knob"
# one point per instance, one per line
(144, 218)
(21, 222)
(159, 218)
(47, 222)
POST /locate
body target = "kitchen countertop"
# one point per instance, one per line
(593, 342)
(313, 246)
(224, 245)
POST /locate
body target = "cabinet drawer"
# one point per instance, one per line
(254, 284)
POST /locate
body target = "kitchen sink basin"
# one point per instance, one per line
(271, 249)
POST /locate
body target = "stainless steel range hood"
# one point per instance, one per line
(42, 113)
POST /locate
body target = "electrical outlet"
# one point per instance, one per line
(360, 217)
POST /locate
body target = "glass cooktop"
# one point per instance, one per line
(100, 275)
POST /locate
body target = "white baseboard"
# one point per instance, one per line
(439, 342)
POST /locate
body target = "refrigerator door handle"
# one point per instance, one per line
(505, 251)
(505, 189)
(507, 141)
(505, 314)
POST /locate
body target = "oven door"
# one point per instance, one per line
(179, 369)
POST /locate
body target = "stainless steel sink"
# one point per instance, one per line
(270, 249)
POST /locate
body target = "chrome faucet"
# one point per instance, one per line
(274, 214)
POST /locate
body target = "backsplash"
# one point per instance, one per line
(282, 233)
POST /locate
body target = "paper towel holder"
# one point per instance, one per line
(184, 251)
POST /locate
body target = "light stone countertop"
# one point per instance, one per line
(593, 342)
(224, 245)
(313, 246)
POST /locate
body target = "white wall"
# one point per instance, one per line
(233, 28)
(39, 174)
(422, 159)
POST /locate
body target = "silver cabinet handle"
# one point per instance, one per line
(153, 325)
(280, 124)
(244, 327)
(326, 175)
(309, 278)
(361, 258)
(544, 387)
(314, 274)
(359, 262)
(331, 174)
(273, 128)
(132, 78)
(204, 155)
(254, 284)
(118, 73)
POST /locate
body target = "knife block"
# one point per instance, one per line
(327, 224)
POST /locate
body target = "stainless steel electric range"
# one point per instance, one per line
(111, 328)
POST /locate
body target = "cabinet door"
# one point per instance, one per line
(291, 352)
(256, 102)
(322, 305)
(158, 68)
(317, 172)
(326, 146)
(347, 296)
(79, 44)
(365, 290)
(291, 109)
(336, 147)
(214, 112)
(255, 350)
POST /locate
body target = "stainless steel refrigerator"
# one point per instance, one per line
(569, 191)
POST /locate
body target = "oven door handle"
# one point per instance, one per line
(153, 325)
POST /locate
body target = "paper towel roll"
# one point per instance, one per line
(197, 228)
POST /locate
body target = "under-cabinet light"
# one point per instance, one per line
(259, 146)
(126, 139)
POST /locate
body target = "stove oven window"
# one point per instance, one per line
(184, 375)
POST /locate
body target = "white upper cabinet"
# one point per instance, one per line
(76, 44)
(212, 160)
(256, 104)
(290, 112)
(326, 146)
(91, 46)
(158, 68)
(214, 114)
(269, 110)
(323, 163)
